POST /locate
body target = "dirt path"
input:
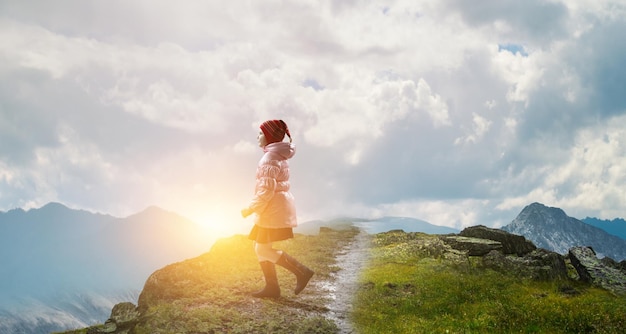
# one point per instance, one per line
(351, 259)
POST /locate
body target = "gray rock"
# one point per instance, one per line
(609, 262)
(511, 243)
(592, 270)
(473, 246)
(539, 264)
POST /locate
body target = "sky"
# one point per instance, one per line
(455, 112)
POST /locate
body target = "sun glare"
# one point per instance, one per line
(223, 223)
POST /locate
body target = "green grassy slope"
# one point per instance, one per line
(408, 288)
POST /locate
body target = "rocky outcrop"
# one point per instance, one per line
(473, 246)
(607, 261)
(539, 264)
(509, 253)
(511, 243)
(605, 273)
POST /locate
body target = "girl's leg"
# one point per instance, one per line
(267, 257)
(303, 274)
(265, 252)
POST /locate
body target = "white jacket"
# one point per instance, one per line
(272, 202)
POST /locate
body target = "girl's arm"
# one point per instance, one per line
(264, 190)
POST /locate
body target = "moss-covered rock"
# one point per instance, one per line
(539, 264)
(591, 269)
(473, 246)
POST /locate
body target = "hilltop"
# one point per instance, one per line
(479, 280)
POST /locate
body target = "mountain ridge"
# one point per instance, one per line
(615, 226)
(64, 267)
(551, 228)
(376, 225)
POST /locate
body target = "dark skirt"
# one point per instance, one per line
(264, 235)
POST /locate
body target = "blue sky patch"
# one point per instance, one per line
(308, 82)
(513, 48)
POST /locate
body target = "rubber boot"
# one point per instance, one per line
(271, 289)
(303, 274)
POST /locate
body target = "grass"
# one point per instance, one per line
(411, 285)
(211, 293)
(406, 290)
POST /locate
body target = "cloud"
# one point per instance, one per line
(589, 176)
(536, 22)
(480, 127)
(459, 113)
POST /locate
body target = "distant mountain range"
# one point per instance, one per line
(377, 225)
(402, 223)
(552, 229)
(615, 227)
(62, 268)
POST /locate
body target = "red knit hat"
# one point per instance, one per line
(275, 130)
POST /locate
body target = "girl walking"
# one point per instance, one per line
(275, 210)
